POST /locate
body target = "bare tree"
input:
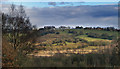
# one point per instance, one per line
(18, 25)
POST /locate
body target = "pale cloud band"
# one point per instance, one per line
(61, 0)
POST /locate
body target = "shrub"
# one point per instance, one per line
(112, 37)
(57, 32)
(105, 36)
(8, 54)
(74, 41)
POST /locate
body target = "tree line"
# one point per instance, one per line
(80, 27)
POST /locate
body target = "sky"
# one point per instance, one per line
(86, 14)
(62, 0)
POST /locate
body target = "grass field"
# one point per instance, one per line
(70, 41)
(89, 39)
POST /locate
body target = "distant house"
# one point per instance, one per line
(49, 27)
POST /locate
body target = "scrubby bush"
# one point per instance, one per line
(112, 37)
(8, 54)
(74, 41)
(57, 32)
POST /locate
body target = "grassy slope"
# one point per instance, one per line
(49, 38)
(78, 60)
(89, 39)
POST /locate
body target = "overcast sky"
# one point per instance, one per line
(72, 14)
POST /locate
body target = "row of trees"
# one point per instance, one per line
(98, 28)
(78, 27)
(85, 61)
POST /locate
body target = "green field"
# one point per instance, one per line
(67, 40)
(92, 39)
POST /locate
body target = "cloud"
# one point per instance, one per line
(52, 3)
(6, 0)
(73, 16)
(64, 3)
(104, 16)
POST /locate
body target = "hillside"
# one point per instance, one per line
(73, 41)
